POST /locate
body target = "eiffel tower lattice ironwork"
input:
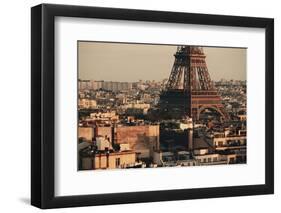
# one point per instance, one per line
(189, 89)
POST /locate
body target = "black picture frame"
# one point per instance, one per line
(43, 102)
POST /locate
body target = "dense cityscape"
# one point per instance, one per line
(118, 127)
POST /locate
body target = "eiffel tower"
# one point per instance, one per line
(189, 90)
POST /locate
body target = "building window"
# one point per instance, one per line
(117, 162)
(215, 159)
(231, 160)
(209, 159)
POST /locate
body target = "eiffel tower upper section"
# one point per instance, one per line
(190, 89)
(190, 70)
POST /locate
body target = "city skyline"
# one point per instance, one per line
(186, 121)
(122, 62)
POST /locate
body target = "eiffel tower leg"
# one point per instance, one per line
(224, 113)
(195, 114)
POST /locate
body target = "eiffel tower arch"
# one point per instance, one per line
(189, 89)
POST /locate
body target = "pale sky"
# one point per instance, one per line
(133, 62)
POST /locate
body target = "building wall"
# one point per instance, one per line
(231, 158)
(157, 156)
(100, 161)
(222, 141)
(103, 143)
(125, 159)
(104, 115)
(209, 159)
(86, 132)
(84, 84)
(201, 151)
(124, 147)
(140, 138)
(104, 131)
(87, 103)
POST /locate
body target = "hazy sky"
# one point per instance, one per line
(133, 62)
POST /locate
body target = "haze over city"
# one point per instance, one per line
(133, 62)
